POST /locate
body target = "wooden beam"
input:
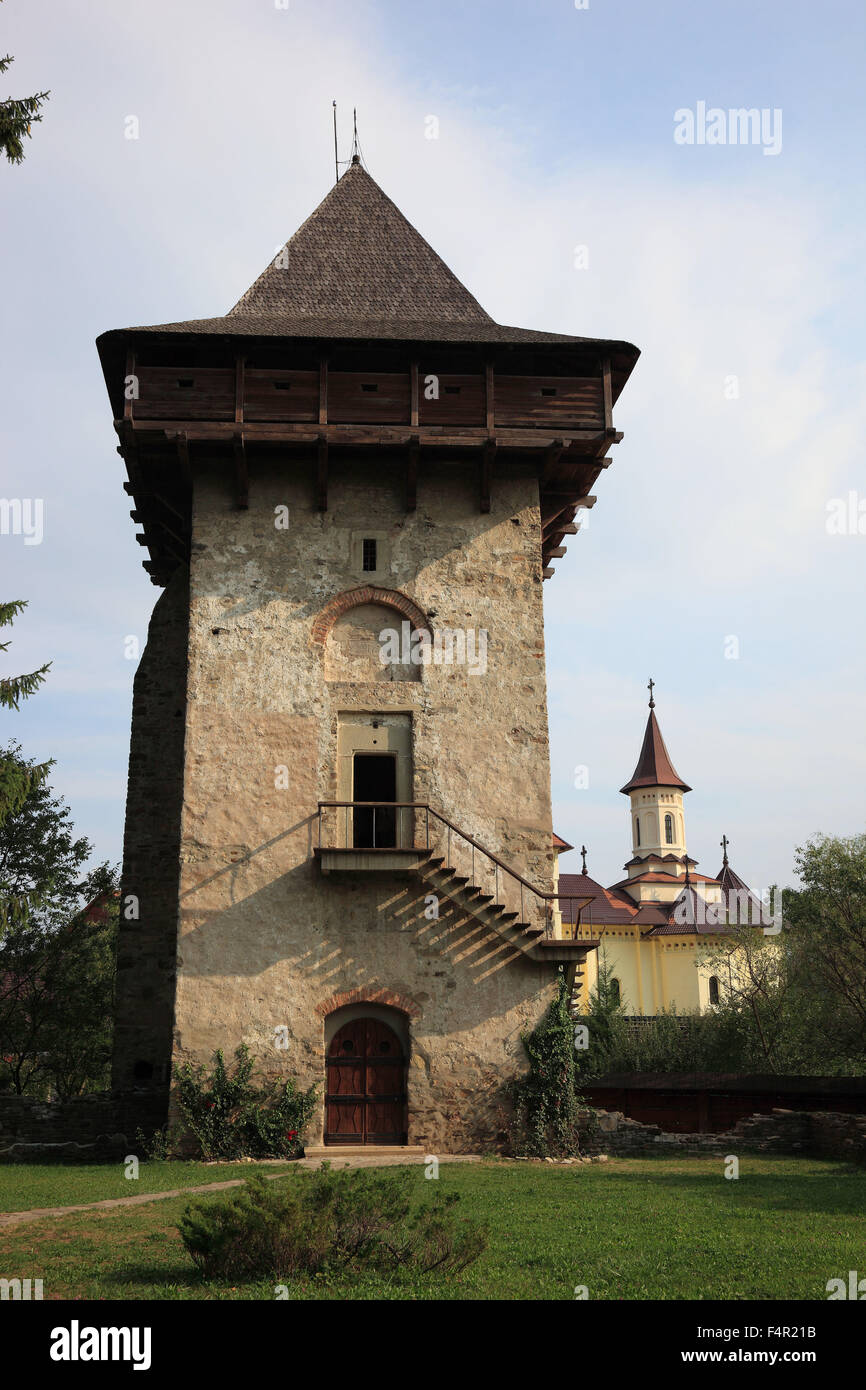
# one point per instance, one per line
(182, 441)
(489, 400)
(547, 572)
(449, 436)
(413, 394)
(322, 473)
(240, 364)
(557, 521)
(608, 397)
(323, 391)
(555, 494)
(143, 519)
(130, 371)
(552, 454)
(556, 552)
(488, 453)
(412, 474)
(144, 495)
(242, 475)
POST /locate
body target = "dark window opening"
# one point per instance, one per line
(369, 555)
(669, 830)
(714, 989)
(615, 991)
(142, 1071)
(636, 831)
(374, 779)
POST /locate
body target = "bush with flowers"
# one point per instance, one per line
(231, 1115)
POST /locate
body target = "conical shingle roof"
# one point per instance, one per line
(654, 766)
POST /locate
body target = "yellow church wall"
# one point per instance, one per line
(654, 973)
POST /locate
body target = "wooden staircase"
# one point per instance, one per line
(445, 882)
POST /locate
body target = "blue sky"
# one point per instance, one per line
(555, 130)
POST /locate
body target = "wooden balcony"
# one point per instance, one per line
(560, 426)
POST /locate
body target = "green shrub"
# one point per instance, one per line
(230, 1116)
(326, 1221)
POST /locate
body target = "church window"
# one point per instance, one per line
(615, 993)
(636, 831)
(369, 555)
(714, 989)
(669, 830)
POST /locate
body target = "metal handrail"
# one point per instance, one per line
(546, 897)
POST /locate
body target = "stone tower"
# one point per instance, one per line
(338, 841)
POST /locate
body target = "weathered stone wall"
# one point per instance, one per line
(94, 1127)
(147, 946)
(819, 1134)
(264, 937)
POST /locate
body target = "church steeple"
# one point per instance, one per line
(656, 789)
(654, 766)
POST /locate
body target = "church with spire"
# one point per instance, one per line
(649, 925)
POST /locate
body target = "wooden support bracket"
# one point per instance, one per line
(322, 473)
(242, 474)
(412, 474)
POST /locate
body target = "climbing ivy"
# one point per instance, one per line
(544, 1100)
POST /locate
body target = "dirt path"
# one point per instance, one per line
(17, 1218)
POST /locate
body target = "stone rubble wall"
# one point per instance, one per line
(89, 1128)
(818, 1134)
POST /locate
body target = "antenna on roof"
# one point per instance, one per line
(336, 162)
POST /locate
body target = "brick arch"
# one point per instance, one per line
(367, 593)
(342, 997)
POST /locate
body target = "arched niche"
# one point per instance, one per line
(362, 642)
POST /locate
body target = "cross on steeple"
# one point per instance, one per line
(650, 685)
(583, 857)
(724, 842)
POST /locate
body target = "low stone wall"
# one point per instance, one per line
(818, 1134)
(89, 1128)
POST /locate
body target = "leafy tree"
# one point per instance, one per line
(41, 860)
(16, 118)
(826, 921)
(16, 776)
(56, 989)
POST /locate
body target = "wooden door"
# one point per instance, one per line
(365, 1101)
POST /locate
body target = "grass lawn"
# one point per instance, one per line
(630, 1229)
(23, 1186)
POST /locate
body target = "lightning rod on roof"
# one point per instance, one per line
(336, 163)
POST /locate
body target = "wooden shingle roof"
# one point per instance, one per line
(358, 270)
(358, 257)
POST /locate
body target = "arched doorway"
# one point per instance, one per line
(365, 1094)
